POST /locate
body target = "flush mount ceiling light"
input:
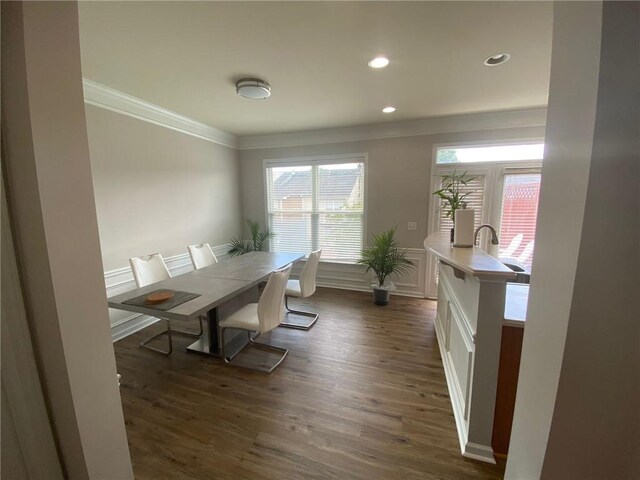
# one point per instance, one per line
(389, 109)
(253, 88)
(497, 59)
(378, 62)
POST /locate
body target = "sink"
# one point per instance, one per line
(522, 274)
(515, 268)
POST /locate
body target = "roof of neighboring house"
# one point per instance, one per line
(336, 183)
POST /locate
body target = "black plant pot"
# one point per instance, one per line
(380, 296)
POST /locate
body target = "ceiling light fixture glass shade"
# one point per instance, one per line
(253, 88)
(497, 59)
(389, 109)
(378, 62)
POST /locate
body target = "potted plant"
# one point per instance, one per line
(385, 258)
(452, 194)
(259, 241)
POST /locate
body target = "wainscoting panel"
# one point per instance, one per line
(414, 284)
(348, 276)
(456, 338)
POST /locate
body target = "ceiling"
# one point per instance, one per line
(186, 56)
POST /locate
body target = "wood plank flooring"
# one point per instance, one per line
(360, 396)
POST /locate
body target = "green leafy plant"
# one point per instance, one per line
(452, 193)
(385, 258)
(259, 241)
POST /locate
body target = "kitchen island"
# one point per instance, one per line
(472, 289)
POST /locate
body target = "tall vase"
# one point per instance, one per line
(463, 228)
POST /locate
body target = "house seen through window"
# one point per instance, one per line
(317, 205)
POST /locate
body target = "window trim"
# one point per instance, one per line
(317, 160)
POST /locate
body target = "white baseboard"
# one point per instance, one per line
(331, 275)
(478, 452)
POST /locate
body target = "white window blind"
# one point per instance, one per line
(518, 215)
(474, 200)
(320, 205)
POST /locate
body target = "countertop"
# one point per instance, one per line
(515, 307)
(473, 261)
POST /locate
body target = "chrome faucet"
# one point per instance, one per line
(494, 235)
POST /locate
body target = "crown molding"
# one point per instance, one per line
(108, 98)
(532, 117)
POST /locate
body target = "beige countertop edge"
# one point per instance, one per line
(472, 261)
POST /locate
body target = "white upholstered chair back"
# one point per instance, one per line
(149, 269)
(308, 275)
(202, 255)
(271, 304)
(526, 252)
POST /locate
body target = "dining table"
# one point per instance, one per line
(221, 288)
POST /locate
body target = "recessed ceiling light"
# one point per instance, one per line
(378, 62)
(389, 109)
(497, 59)
(253, 88)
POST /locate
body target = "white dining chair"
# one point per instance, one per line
(513, 246)
(526, 253)
(261, 317)
(202, 255)
(304, 287)
(151, 269)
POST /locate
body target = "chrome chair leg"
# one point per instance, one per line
(166, 332)
(253, 343)
(191, 334)
(222, 350)
(169, 332)
(297, 326)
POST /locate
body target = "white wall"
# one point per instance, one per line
(157, 189)
(398, 178)
(576, 412)
(51, 202)
(28, 447)
(399, 175)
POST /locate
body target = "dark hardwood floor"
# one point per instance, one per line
(361, 396)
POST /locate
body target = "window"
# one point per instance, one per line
(317, 204)
(518, 217)
(490, 154)
(504, 194)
